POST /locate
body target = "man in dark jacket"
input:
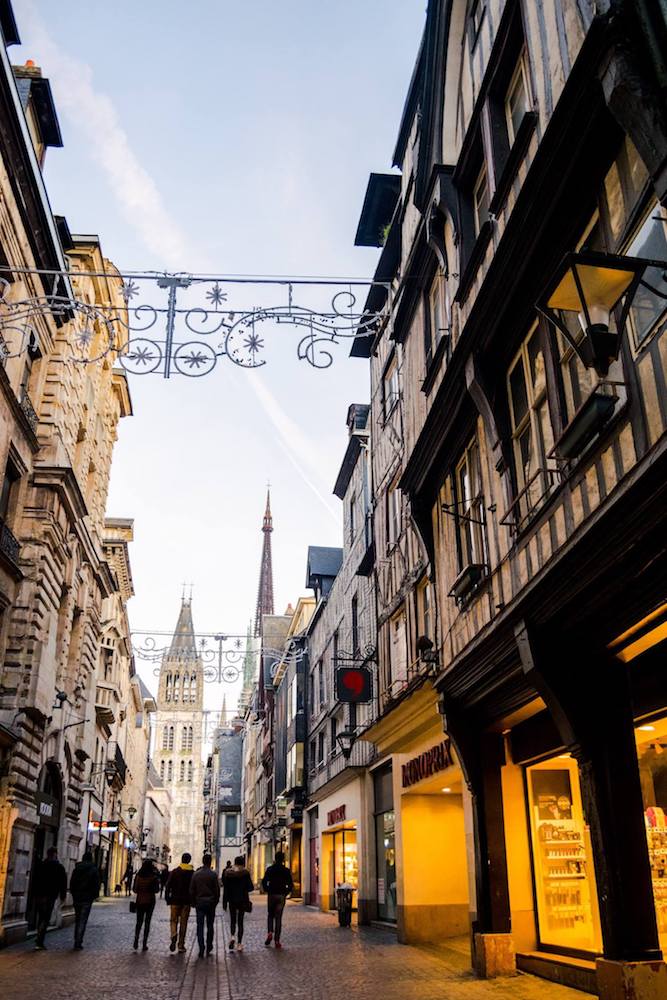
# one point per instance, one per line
(205, 896)
(278, 884)
(177, 896)
(50, 881)
(85, 887)
(236, 888)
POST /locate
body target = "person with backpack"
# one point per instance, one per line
(236, 888)
(146, 886)
(177, 896)
(278, 884)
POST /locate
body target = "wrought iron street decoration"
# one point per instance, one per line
(183, 324)
(222, 655)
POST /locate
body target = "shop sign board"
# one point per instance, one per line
(48, 809)
(104, 825)
(336, 815)
(438, 758)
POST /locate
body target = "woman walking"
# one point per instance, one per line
(236, 886)
(146, 886)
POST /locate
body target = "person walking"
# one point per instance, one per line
(146, 886)
(50, 881)
(163, 875)
(128, 878)
(177, 896)
(204, 896)
(85, 888)
(236, 886)
(277, 884)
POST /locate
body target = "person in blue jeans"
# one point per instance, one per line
(205, 896)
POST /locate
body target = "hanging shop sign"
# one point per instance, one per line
(48, 809)
(103, 825)
(336, 815)
(438, 758)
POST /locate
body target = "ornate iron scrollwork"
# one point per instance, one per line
(191, 330)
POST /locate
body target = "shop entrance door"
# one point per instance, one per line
(295, 860)
(345, 869)
(314, 892)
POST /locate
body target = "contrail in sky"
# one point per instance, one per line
(139, 198)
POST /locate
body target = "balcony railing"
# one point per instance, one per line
(29, 411)
(9, 545)
(362, 755)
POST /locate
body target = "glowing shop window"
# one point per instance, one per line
(565, 888)
(651, 751)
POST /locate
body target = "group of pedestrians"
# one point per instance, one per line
(50, 884)
(184, 889)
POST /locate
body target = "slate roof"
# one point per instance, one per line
(322, 562)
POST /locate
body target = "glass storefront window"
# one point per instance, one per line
(386, 861)
(345, 866)
(652, 754)
(564, 878)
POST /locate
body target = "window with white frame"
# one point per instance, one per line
(321, 690)
(398, 648)
(532, 435)
(469, 501)
(231, 825)
(425, 608)
(393, 512)
(390, 387)
(517, 100)
(439, 315)
(320, 748)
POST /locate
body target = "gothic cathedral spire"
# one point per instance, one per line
(265, 591)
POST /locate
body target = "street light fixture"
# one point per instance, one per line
(346, 740)
(131, 812)
(587, 287)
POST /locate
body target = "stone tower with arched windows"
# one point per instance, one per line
(179, 736)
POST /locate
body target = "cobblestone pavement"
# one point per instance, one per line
(319, 961)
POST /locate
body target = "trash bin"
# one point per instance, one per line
(344, 903)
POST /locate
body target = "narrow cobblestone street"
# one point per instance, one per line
(319, 961)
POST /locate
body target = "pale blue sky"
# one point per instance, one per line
(226, 137)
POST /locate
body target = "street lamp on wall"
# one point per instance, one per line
(346, 740)
(597, 291)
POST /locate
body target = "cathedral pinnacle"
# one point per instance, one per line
(265, 590)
